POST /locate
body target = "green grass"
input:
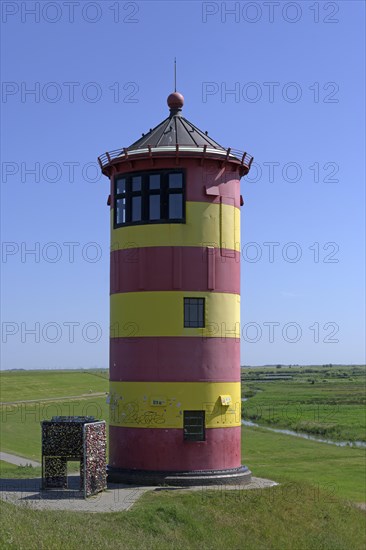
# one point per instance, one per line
(9, 471)
(319, 401)
(275, 456)
(273, 519)
(42, 384)
(336, 470)
(20, 424)
(308, 511)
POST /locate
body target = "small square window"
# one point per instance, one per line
(194, 426)
(194, 312)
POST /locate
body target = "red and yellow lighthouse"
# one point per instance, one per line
(175, 399)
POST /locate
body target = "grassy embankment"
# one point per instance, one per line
(307, 511)
(275, 519)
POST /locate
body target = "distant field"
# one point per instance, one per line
(20, 423)
(22, 385)
(323, 401)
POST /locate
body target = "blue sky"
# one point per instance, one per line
(100, 74)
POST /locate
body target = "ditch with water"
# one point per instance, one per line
(359, 444)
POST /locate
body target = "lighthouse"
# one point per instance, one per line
(175, 395)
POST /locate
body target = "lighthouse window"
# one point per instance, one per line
(136, 183)
(175, 181)
(194, 312)
(149, 197)
(154, 207)
(154, 181)
(136, 209)
(194, 425)
(121, 211)
(175, 206)
(121, 186)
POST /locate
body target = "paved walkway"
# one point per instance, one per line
(27, 492)
(18, 460)
(116, 498)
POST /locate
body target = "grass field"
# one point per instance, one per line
(19, 472)
(336, 470)
(308, 510)
(328, 402)
(23, 385)
(20, 423)
(273, 519)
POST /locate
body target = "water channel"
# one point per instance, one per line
(358, 444)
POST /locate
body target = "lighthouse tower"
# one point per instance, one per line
(175, 399)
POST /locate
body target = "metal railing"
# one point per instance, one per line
(243, 157)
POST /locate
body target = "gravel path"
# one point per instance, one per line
(27, 492)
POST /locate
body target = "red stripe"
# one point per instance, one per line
(203, 183)
(175, 268)
(174, 359)
(159, 449)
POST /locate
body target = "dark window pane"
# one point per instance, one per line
(154, 205)
(150, 197)
(194, 312)
(193, 315)
(136, 209)
(136, 183)
(200, 315)
(121, 211)
(175, 206)
(154, 181)
(121, 186)
(175, 181)
(186, 309)
(194, 425)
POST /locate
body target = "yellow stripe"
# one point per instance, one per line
(136, 314)
(133, 404)
(206, 224)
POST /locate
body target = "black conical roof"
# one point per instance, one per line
(175, 130)
(175, 136)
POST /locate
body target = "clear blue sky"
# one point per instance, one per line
(101, 72)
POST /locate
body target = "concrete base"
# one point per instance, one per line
(234, 476)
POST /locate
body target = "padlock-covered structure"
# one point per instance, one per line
(74, 438)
